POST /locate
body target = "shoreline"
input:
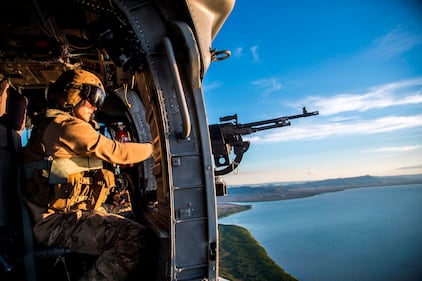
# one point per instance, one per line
(226, 208)
(290, 193)
(404, 197)
(244, 258)
(229, 263)
(227, 205)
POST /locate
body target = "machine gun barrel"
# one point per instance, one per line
(253, 127)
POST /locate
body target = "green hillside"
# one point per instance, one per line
(243, 259)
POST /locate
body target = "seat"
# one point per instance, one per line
(11, 125)
(13, 109)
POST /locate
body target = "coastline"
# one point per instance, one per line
(274, 192)
(228, 262)
(230, 205)
(282, 195)
(227, 209)
(243, 258)
(241, 255)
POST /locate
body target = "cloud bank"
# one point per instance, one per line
(399, 93)
(402, 93)
(320, 131)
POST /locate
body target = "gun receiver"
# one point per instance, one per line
(228, 135)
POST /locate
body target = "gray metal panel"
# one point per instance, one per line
(192, 246)
(187, 171)
(190, 203)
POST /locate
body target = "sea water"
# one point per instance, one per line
(365, 234)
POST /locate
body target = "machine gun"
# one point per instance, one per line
(228, 135)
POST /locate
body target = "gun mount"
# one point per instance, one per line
(227, 136)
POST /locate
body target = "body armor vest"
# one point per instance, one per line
(64, 185)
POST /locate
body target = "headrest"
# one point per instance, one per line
(15, 109)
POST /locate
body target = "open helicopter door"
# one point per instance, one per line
(185, 217)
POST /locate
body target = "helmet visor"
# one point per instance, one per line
(93, 94)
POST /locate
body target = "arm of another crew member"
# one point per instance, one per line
(84, 140)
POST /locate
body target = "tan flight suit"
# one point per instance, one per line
(117, 240)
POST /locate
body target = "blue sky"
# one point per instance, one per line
(359, 63)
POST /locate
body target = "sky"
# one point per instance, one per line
(359, 63)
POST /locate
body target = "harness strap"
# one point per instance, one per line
(58, 170)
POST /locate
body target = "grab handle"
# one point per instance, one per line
(179, 89)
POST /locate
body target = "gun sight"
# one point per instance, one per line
(229, 118)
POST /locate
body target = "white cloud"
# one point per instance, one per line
(210, 86)
(394, 43)
(238, 52)
(395, 148)
(343, 118)
(254, 51)
(269, 84)
(391, 94)
(357, 127)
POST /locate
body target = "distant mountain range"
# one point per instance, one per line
(282, 191)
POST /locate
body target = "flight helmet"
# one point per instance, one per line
(74, 86)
